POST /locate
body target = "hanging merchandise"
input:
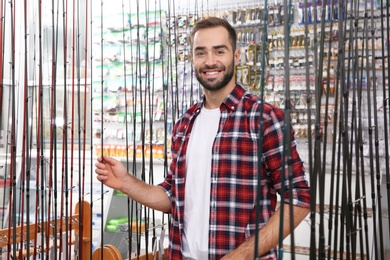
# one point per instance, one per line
(85, 80)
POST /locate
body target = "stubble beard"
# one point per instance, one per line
(215, 84)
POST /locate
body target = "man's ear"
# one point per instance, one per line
(191, 58)
(237, 55)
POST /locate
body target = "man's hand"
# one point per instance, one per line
(111, 172)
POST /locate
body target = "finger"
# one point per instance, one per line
(100, 165)
(108, 159)
(101, 170)
(101, 178)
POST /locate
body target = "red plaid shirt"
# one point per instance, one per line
(234, 173)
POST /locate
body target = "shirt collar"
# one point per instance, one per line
(231, 101)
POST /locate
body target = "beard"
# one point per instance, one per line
(215, 84)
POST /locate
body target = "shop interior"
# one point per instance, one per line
(81, 79)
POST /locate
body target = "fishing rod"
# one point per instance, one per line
(360, 86)
(360, 173)
(346, 205)
(261, 130)
(335, 120)
(82, 114)
(24, 153)
(385, 96)
(341, 133)
(167, 89)
(338, 81)
(149, 89)
(13, 136)
(53, 131)
(33, 115)
(39, 208)
(353, 206)
(102, 130)
(317, 133)
(79, 136)
(30, 99)
(376, 200)
(287, 153)
(30, 140)
(343, 13)
(175, 63)
(172, 61)
(2, 26)
(56, 126)
(83, 142)
(139, 125)
(165, 127)
(133, 68)
(372, 84)
(360, 225)
(11, 179)
(3, 9)
(147, 110)
(164, 78)
(152, 98)
(127, 133)
(65, 166)
(317, 173)
(327, 88)
(69, 190)
(91, 57)
(309, 130)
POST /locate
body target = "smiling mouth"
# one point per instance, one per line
(211, 72)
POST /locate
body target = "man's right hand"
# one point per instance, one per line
(111, 172)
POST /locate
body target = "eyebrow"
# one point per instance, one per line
(222, 46)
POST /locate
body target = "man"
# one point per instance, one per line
(211, 187)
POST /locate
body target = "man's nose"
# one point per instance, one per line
(210, 59)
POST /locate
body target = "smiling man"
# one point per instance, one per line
(214, 64)
(211, 187)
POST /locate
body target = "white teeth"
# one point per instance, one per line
(211, 72)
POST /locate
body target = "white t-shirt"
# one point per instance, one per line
(197, 187)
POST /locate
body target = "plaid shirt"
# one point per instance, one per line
(234, 173)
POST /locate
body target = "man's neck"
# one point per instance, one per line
(215, 98)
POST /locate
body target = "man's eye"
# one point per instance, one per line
(200, 54)
(220, 52)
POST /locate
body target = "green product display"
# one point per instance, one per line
(113, 222)
(111, 227)
(123, 220)
(118, 224)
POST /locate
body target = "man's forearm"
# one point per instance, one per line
(269, 234)
(148, 195)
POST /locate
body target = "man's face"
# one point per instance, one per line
(213, 58)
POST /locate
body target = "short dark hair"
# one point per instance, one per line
(212, 22)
